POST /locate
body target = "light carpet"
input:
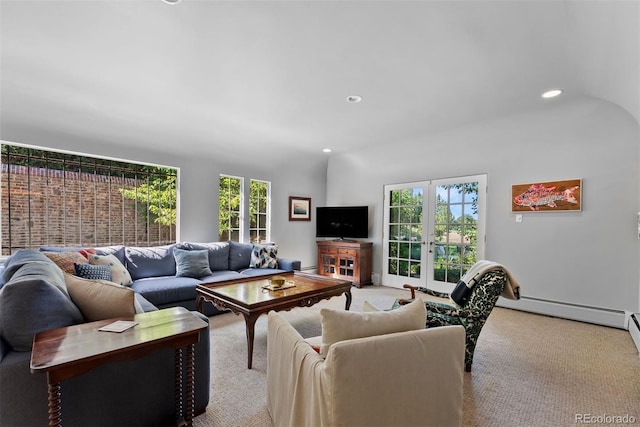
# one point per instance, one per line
(528, 370)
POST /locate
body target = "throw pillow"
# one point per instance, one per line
(87, 252)
(66, 260)
(100, 299)
(264, 256)
(192, 263)
(339, 325)
(119, 274)
(218, 253)
(93, 272)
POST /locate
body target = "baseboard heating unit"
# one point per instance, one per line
(581, 313)
(634, 329)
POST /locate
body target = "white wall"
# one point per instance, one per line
(199, 185)
(587, 258)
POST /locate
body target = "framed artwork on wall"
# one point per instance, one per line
(299, 208)
(547, 196)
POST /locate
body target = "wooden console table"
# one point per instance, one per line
(65, 353)
(347, 260)
(248, 296)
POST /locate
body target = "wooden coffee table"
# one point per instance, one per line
(249, 298)
(65, 353)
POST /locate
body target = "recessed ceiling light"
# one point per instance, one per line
(326, 150)
(354, 99)
(171, 1)
(552, 93)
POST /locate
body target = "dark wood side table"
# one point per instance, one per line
(64, 353)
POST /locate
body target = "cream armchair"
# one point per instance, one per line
(411, 378)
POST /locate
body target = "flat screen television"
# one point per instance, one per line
(342, 222)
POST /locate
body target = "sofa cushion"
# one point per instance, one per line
(20, 258)
(117, 251)
(156, 261)
(239, 255)
(59, 248)
(101, 299)
(144, 303)
(35, 300)
(66, 260)
(218, 253)
(119, 274)
(264, 256)
(93, 272)
(192, 263)
(288, 264)
(221, 275)
(339, 325)
(166, 290)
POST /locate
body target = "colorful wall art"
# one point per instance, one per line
(547, 196)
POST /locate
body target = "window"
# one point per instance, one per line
(52, 198)
(230, 210)
(455, 230)
(434, 231)
(259, 211)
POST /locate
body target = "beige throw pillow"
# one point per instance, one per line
(119, 273)
(339, 325)
(100, 299)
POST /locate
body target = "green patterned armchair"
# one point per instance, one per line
(472, 316)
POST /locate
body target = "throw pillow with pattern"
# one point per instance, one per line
(264, 256)
(66, 260)
(119, 274)
(93, 272)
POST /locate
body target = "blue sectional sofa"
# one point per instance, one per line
(34, 297)
(153, 271)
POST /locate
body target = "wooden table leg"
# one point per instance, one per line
(191, 383)
(178, 390)
(250, 326)
(348, 303)
(185, 410)
(55, 405)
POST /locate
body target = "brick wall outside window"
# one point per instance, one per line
(67, 208)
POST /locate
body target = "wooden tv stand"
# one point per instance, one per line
(346, 260)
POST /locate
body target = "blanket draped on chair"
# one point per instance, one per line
(482, 267)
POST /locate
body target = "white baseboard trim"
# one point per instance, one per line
(599, 316)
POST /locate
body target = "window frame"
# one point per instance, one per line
(240, 211)
(267, 213)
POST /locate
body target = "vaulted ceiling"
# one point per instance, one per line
(232, 78)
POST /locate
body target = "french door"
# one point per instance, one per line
(433, 231)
